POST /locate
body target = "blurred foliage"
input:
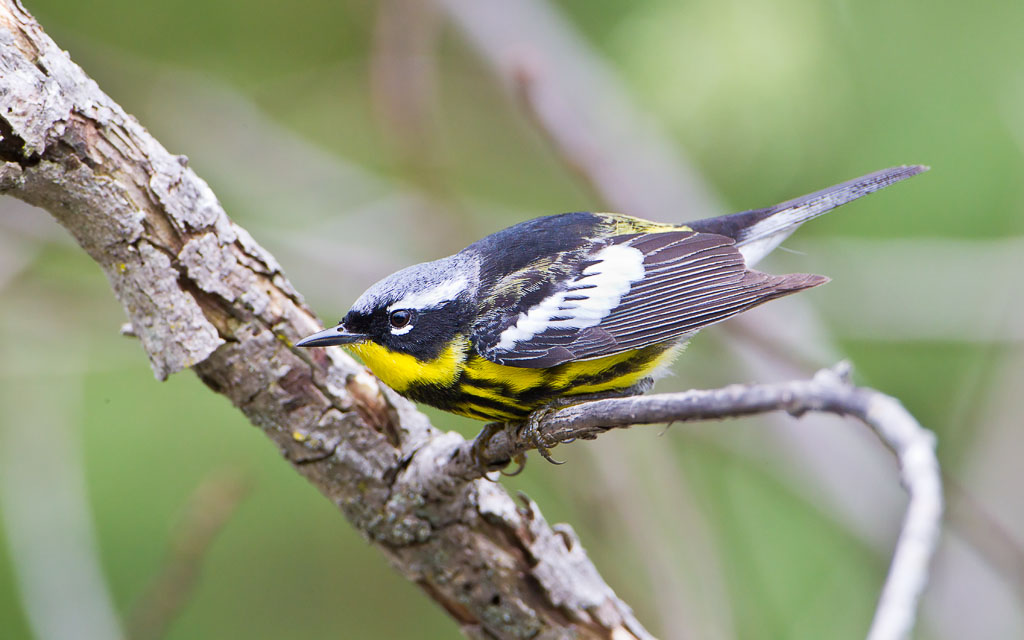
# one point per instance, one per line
(769, 98)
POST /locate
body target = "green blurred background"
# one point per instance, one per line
(353, 138)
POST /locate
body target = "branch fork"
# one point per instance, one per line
(831, 391)
(202, 294)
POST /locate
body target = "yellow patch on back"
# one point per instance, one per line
(400, 370)
(627, 225)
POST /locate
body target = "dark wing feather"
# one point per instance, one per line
(690, 280)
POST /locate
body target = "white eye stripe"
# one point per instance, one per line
(433, 297)
(593, 296)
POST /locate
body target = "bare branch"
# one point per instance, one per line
(829, 391)
(202, 294)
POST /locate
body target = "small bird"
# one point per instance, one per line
(571, 306)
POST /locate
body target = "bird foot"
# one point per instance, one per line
(532, 432)
(478, 451)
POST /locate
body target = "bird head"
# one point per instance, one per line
(416, 311)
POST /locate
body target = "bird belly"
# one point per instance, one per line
(489, 391)
(463, 382)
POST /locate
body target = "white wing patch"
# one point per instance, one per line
(433, 297)
(592, 296)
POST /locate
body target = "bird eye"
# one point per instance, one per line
(400, 318)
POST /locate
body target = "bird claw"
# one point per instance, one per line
(479, 448)
(531, 428)
(520, 460)
(531, 431)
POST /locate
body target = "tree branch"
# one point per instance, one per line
(202, 294)
(829, 391)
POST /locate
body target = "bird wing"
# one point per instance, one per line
(627, 293)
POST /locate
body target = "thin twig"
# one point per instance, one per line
(829, 391)
(201, 293)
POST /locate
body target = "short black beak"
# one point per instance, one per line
(328, 337)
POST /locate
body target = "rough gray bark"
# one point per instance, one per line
(202, 294)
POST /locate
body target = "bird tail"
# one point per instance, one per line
(759, 231)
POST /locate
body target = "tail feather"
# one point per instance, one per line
(758, 231)
(793, 282)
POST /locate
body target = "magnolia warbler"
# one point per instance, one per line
(575, 304)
